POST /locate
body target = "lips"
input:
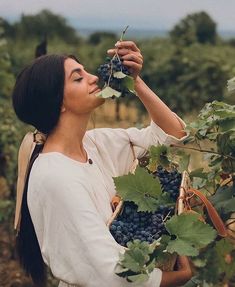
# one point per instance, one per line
(96, 90)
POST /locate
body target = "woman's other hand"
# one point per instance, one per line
(130, 56)
(184, 265)
(179, 277)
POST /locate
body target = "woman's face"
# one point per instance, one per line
(80, 89)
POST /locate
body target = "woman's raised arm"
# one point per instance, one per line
(159, 112)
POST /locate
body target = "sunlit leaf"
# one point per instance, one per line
(191, 234)
(140, 188)
(108, 92)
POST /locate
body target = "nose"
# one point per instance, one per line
(93, 79)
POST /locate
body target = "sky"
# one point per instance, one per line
(138, 14)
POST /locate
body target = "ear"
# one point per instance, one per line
(63, 109)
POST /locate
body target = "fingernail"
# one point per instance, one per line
(118, 44)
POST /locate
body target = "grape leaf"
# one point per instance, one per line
(134, 260)
(191, 234)
(108, 92)
(225, 257)
(198, 173)
(135, 264)
(224, 199)
(119, 75)
(209, 273)
(141, 188)
(184, 161)
(140, 278)
(122, 271)
(193, 282)
(128, 82)
(158, 156)
(220, 263)
(182, 247)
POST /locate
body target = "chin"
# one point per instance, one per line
(100, 101)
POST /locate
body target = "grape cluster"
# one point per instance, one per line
(170, 181)
(145, 226)
(106, 72)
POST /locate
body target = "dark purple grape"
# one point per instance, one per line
(106, 73)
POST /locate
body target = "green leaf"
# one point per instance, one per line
(151, 266)
(182, 247)
(225, 257)
(120, 270)
(227, 124)
(108, 92)
(134, 260)
(191, 234)
(199, 183)
(128, 82)
(119, 75)
(184, 161)
(137, 262)
(193, 282)
(224, 199)
(198, 173)
(158, 156)
(140, 278)
(141, 188)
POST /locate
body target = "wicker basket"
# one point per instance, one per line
(117, 204)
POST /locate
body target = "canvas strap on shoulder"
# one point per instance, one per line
(214, 216)
(27, 147)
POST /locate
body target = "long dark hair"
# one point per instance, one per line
(37, 100)
(27, 245)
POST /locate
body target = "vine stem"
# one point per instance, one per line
(204, 150)
(116, 54)
(123, 32)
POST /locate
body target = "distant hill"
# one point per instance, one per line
(143, 33)
(132, 33)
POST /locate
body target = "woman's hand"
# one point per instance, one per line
(183, 265)
(179, 277)
(130, 55)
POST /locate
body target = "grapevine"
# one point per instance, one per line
(151, 193)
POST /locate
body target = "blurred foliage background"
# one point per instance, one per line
(186, 69)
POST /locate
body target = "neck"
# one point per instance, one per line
(67, 137)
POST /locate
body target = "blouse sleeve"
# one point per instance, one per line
(74, 240)
(114, 145)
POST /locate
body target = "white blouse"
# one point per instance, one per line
(69, 203)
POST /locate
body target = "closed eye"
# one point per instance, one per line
(78, 79)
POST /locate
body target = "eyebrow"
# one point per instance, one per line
(77, 70)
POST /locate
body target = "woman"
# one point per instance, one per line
(67, 203)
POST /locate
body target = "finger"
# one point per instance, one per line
(133, 58)
(122, 52)
(127, 44)
(133, 65)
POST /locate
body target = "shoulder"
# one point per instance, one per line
(54, 172)
(102, 135)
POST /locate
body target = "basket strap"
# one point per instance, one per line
(214, 216)
(135, 159)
